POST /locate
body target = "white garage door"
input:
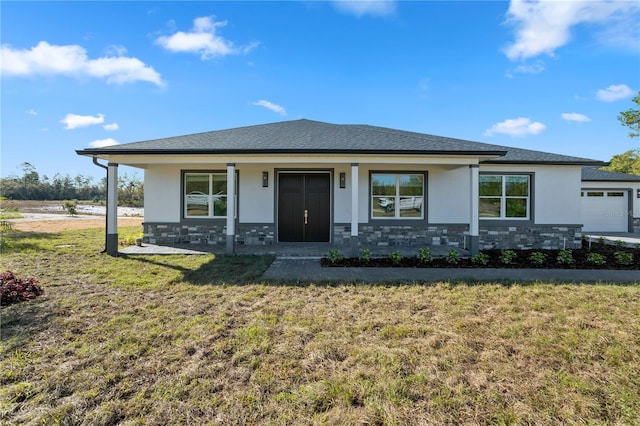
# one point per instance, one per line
(604, 210)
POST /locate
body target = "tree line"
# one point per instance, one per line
(31, 186)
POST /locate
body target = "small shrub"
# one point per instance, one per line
(131, 239)
(537, 258)
(480, 259)
(335, 256)
(596, 259)
(623, 258)
(618, 243)
(5, 228)
(70, 206)
(565, 257)
(365, 254)
(395, 257)
(508, 256)
(452, 256)
(14, 289)
(424, 255)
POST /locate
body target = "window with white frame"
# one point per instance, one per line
(397, 195)
(505, 196)
(205, 195)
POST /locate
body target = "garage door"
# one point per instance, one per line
(604, 211)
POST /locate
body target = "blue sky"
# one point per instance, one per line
(542, 75)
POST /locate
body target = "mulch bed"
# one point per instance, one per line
(522, 260)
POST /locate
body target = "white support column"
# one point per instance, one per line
(112, 209)
(354, 210)
(231, 208)
(474, 219)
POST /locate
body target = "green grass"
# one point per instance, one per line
(10, 213)
(201, 340)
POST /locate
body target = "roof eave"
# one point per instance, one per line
(559, 163)
(94, 152)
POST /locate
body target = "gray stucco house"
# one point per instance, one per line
(306, 181)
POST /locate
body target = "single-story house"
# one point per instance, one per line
(610, 202)
(350, 186)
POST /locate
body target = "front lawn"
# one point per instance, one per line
(200, 340)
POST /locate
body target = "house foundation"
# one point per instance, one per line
(452, 235)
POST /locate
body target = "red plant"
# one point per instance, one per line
(14, 289)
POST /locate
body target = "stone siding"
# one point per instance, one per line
(636, 224)
(530, 237)
(454, 235)
(175, 233)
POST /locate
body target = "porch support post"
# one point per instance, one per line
(474, 220)
(112, 209)
(231, 208)
(355, 243)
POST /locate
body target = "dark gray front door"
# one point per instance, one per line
(304, 207)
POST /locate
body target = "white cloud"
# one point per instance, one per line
(516, 127)
(115, 50)
(273, 107)
(542, 26)
(73, 121)
(202, 39)
(111, 127)
(614, 92)
(574, 116)
(72, 60)
(100, 143)
(366, 7)
(31, 112)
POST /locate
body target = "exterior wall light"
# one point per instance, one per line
(343, 180)
(265, 179)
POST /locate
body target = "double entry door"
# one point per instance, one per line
(304, 207)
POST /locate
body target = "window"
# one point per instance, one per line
(397, 196)
(504, 196)
(205, 195)
(615, 194)
(595, 194)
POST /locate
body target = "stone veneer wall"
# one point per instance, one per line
(455, 235)
(636, 224)
(531, 237)
(390, 235)
(175, 233)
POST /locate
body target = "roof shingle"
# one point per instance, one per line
(307, 136)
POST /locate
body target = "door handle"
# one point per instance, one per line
(306, 216)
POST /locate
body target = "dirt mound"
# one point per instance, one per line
(65, 223)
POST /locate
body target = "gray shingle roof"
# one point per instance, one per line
(307, 136)
(595, 174)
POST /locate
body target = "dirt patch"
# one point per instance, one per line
(66, 223)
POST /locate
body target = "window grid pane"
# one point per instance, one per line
(397, 196)
(206, 195)
(504, 196)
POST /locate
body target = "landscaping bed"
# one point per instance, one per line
(598, 256)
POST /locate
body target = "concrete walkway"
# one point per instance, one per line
(295, 263)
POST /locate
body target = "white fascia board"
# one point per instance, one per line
(143, 161)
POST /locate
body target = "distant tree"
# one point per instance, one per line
(30, 175)
(130, 190)
(627, 162)
(631, 118)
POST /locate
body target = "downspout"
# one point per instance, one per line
(106, 200)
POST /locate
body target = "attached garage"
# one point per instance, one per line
(604, 210)
(610, 202)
